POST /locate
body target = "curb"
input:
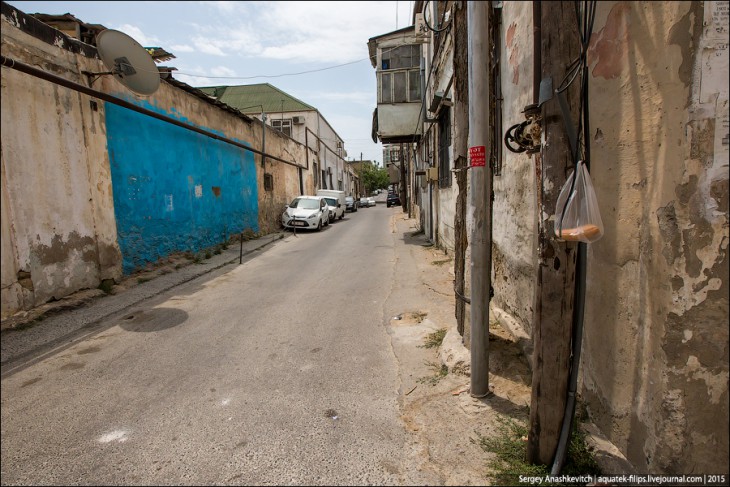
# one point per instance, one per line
(87, 297)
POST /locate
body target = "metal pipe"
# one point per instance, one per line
(480, 195)
(38, 73)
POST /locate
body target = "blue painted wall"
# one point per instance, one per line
(174, 189)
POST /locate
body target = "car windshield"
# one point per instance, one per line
(331, 201)
(305, 203)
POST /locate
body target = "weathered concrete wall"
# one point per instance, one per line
(655, 360)
(59, 234)
(174, 189)
(655, 363)
(513, 230)
(446, 196)
(59, 223)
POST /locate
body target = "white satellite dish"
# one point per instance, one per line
(128, 61)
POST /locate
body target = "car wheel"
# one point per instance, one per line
(319, 225)
(342, 216)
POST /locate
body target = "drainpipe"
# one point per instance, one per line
(38, 73)
(477, 15)
(263, 140)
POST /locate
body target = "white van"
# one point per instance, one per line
(335, 200)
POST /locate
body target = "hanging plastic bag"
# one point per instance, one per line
(577, 218)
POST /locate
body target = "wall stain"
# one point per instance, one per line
(669, 229)
(681, 35)
(59, 251)
(608, 47)
(216, 191)
(514, 53)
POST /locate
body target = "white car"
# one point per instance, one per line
(334, 207)
(371, 201)
(309, 212)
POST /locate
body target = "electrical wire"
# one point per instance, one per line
(585, 27)
(425, 20)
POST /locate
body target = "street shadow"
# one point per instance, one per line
(507, 360)
(416, 237)
(156, 319)
(139, 316)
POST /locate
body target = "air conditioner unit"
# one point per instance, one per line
(297, 120)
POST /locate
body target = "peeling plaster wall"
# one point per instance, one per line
(654, 370)
(513, 233)
(655, 362)
(177, 190)
(445, 197)
(58, 219)
(59, 224)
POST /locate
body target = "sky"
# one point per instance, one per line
(250, 42)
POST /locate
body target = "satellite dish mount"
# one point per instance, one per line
(127, 61)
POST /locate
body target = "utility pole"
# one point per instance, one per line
(557, 45)
(480, 204)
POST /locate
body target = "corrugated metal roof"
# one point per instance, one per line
(247, 98)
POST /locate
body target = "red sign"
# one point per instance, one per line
(477, 156)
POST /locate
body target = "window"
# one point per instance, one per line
(401, 57)
(282, 125)
(443, 149)
(268, 182)
(386, 88)
(400, 76)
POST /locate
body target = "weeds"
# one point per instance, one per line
(248, 234)
(510, 449)
(440, 262)
(140, 280)
(107, 285)
(434, 340)
(440, 371)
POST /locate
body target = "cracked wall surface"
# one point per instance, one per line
(61, 225)
(654, 367)
(655, 362)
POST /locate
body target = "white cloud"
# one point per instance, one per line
(222, 71)
(362, 97)
(181, 48)
(226, 7)
(207, 46)
(137, 34)
(305, 32)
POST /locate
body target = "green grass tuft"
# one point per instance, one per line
(435, 339)
(510, 449)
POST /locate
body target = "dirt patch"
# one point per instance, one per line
(445, 422)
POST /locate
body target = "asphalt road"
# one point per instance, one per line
(278, 371)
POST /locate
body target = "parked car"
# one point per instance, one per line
(332, 206)
(371, 201)
(392, 200)
(336, 201)
(351, 204)
(309, 212)
(363, 202)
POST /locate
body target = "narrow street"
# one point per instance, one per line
(283, 370)
(278, 372)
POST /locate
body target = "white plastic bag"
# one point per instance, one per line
(577, 218)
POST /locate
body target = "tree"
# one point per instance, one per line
(374, 178)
